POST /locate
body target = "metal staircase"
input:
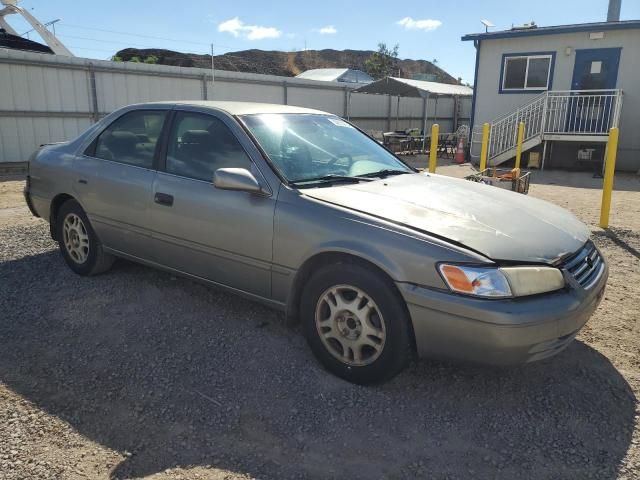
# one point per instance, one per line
(564, 115)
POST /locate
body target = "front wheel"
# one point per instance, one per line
(78, 243)
(356, 323)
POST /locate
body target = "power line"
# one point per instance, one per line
(71, 25)
(232, 59)
(132, 34)
(110, 41)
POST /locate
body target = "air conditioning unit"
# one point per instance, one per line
(525, 26)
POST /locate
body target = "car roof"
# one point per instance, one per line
(240, 108)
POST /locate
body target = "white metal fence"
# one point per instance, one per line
(46, 98)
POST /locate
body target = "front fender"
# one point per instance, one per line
(305, 227)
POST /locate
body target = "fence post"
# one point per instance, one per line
(346, 103)
(285, 93)
(456, 112)
(204, 86)
(424, 122)
(609, 171)
(433, 153)
(519, 144)
(93, 93)
(484, 151)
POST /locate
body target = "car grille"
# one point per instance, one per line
(586, 266)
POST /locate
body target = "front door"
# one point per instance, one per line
(220, 235)
(596, 69)
(595, 74)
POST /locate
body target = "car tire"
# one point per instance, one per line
(79, 244)
(365, 335)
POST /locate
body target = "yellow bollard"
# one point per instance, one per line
(609, 171)
(433, 152)
(519, 145)
(485, 146)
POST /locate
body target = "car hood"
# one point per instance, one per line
(498, 223)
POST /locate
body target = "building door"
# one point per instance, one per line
(595, 74)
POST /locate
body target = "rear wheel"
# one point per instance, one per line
(78, 243)
(356, 323)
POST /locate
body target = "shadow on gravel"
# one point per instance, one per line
(621, 237)
(178, 374)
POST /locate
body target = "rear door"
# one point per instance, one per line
(220, 235)
(115, 177)
(595, 73)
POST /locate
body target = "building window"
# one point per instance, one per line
(526, 72)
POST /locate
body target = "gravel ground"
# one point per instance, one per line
(139, 374)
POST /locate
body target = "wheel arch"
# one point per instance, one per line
(334, 258)
(56, 203)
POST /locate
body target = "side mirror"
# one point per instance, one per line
(239, 179)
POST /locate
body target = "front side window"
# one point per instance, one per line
(526, 72)
(199, 144)
(309, 146)
(132, 138)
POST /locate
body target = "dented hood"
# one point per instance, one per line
(498, 223)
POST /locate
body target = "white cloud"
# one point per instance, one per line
(238, 28)
(328, 30)
(427, 24)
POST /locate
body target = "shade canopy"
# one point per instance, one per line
(405, 87)
(344, 75)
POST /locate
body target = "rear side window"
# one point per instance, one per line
(132, 138)
(199, 144)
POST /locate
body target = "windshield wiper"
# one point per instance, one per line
(385, 173)
(331, 179)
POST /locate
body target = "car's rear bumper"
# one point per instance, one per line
(499, 331)
(27, 198)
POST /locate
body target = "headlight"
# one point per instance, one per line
(532, 280)
(479, 281)
(501, 282)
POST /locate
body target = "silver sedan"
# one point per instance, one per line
(300, 210)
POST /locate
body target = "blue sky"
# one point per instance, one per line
(427, 29)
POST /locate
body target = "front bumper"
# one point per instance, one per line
(501, 332)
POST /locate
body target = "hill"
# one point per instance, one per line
(287, 64)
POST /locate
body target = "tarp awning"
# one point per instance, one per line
(404, 87)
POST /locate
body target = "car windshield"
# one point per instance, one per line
(308, 148)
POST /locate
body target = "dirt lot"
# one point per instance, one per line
(137, 373)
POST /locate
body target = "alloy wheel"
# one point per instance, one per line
(350, 325)
(76, 238)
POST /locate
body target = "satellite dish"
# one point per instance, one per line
(487, 25)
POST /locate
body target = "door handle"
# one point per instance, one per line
(163, 199)
(82, 181)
